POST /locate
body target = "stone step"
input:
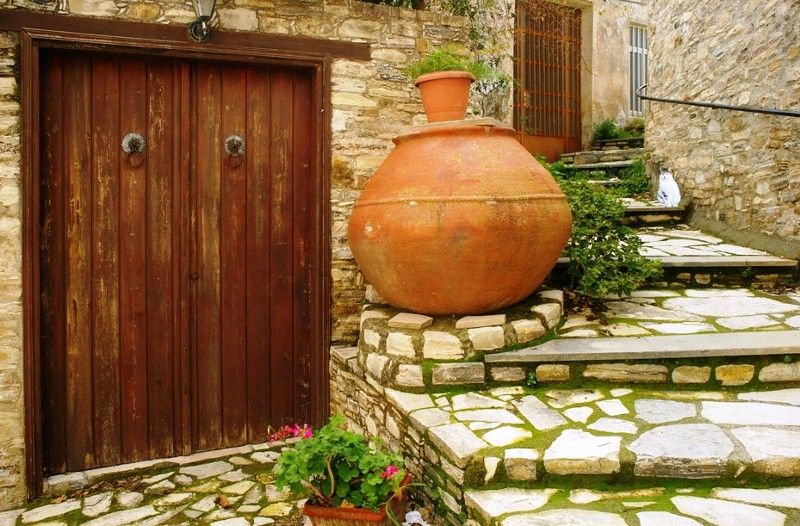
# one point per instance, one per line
(595, 156)
(642, 213)
(607, 165)
(690, 257)
(635, 506)
(637, 436)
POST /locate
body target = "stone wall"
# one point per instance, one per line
(361, 93)
(12, 421)
(608, 68)
(740, 170)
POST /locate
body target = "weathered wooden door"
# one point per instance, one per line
(180, 305)
(547, 72)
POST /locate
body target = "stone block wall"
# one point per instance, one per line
(371, 102)
(740, 170)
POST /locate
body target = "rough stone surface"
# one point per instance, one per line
(579, 414)
(458, 374)
(732, 375)
(655, 411)
(459, 442)
(538, 414)
(472, 322)
(520, 464)
(737, 306)
(691, 374)
(409, 375)
(550, 313)
(780, 372)
(561, 398)
(439, 345)
(612, 407)
(507, 374)
(750, 413)
(487, 338)
(474, 401)
(664, 518)
(783, 396)
(725, 513)
(506, 435)
(773, 451)
(527, 330)
(620, 372)
(408, 320)
(781, 497)
(569, 517)
(682, 451)
(614, 425)
(747, 322)
(494, 503)
(581, 453)
(400, 344)
(552, 372)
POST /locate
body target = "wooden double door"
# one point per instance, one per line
(181, 256)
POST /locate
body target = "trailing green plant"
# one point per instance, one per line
(449, 58)
(341, 468)
(635, 127)
(604, 253)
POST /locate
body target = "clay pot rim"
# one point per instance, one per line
(454, 128)
(436, 75)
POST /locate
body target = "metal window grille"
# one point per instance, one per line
(638, 64)
(548, 45)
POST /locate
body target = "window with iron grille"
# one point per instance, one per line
(638, 64)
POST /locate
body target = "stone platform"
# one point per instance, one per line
(713, 337)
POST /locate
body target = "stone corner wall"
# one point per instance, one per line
(740, 171)
(372, 101)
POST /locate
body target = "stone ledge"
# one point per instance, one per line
(655, 348)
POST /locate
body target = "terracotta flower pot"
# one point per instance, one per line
(324, 516)
(445, 94)
(459, 219)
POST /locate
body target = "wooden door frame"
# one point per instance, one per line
(41, 31)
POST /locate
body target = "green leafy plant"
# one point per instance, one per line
(341, 468)
(605, 130)
(634, 179)
(449, 58)
(604, 253)
(609, 130)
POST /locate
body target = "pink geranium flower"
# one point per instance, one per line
(390, 471)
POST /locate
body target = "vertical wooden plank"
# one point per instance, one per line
(105, 261)
(159, 259)
(182, 214)
(133, 266)
(233, 258)
(51, 248)
(258, 253)
(282, 379)
(78, 221)
(208, 384)
(304, 235)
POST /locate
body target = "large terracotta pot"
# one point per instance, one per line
(324, 516)
(445, 94)
(459, 219)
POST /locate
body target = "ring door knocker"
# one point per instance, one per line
(133, 144)
(234, 146)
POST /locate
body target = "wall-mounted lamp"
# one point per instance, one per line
(200, 29)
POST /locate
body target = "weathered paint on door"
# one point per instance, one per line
(177, 301)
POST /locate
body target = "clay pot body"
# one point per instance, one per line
(445, 94)
(460, 219)
(323, 516)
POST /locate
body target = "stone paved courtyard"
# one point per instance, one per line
(653, 458)
(236, 490)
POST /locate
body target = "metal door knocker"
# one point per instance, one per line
(133, 145)
(234, 145)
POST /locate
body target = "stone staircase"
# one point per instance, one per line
(676, 406)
